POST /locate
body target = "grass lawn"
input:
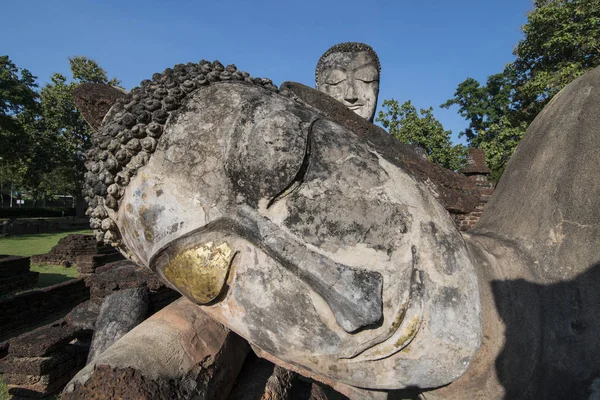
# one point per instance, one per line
(3, 389)
(53, 274)
(39, 243)
(28, 245)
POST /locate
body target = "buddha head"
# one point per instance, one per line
(349, 72)
(286, 227)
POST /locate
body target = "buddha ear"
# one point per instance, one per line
(94, 100)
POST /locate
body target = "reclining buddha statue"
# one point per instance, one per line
(291, 219)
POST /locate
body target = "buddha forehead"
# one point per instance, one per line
(349, 61)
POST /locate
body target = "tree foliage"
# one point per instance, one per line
(18, 105)
(43, 137)
(19, 109)
(494, 124)
(561, 42)
(421, 128)
(87, 70)
(64, 122)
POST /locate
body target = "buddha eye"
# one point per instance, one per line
(335, 77)
(367, 74)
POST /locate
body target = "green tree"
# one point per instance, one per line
(561, 41)
(18, 105)
(421, 128)
(19, 108)
(494, 124)
(62, 120)
(43, 137)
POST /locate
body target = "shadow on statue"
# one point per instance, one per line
(542, 360)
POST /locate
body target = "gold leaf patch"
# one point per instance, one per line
(200, 273)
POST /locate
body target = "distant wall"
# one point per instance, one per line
(36, 212)
(33, 226)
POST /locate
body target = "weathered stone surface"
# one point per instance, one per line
(84, 315)
(456, 193)
(343, 263)
(346, 267)
(537, 248)
(133, 126)
(260, 379)
(120, 312)
(45, 340)
(557, 162)
(179, 352)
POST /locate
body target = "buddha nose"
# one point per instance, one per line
(350, 93)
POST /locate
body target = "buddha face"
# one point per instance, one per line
(294, 233)
(352, 79)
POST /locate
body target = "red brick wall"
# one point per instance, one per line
(464, 222)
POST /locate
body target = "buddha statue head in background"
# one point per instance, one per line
(349, 72)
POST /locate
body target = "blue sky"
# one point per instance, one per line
(426, 47)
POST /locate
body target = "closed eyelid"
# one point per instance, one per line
(336, 76)
(366, 73)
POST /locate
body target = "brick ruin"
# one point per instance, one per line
(40, 362)
(45, 333)
(15, 274)
(82, 251)
(26, 311)
(478, 172)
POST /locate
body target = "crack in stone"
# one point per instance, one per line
(299, 178)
